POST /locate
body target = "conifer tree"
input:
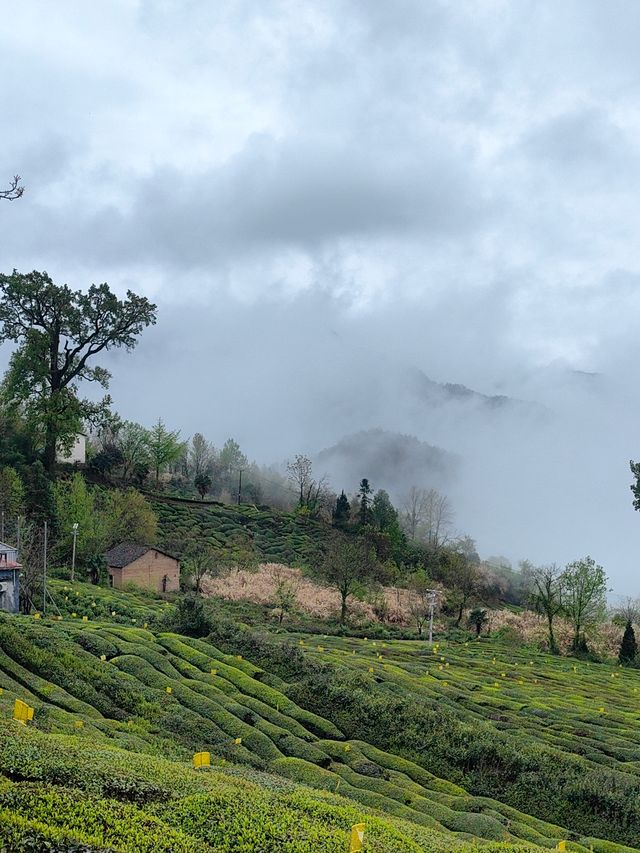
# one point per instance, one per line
(628, 646)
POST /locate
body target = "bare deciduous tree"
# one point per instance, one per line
(200, 456)
(546, 596)
(427, 516)
(313, 494)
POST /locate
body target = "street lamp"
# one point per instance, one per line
(74, 530)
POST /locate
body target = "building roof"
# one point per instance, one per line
(128, 552)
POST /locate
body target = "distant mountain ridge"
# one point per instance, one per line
(442, 393)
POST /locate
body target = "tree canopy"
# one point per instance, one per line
(58, 333)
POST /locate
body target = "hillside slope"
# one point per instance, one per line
(106, 694)
(276, 537)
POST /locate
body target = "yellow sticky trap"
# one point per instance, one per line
(202, 759)
(74, 615)
(85, 618)
(301, 642)
(238, 657)
(214, 672)
(78, 724)
(36, 615)
(113, 612)
(496, 684)
(357, 838)
(347, 748)
(169, 689)
(370, 669)
(601, 710)
(146, 625)
(320, 648)
(22, 712)
(103, 657)
(562, 845)
(238, 741)
(445, 683)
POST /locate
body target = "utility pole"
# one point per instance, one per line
(44, 574)
(432, 604)
(240, 487)
(74, 530)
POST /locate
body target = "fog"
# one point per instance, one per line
(327, 203)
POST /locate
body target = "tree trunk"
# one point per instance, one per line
(460, 612)
(553, 646)
(343, 608)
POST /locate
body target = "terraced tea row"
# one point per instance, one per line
(102, 685)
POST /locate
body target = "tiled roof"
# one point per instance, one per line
(128, 552)
(125, 553)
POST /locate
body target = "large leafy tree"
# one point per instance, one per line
(59, 332)
(585, 596)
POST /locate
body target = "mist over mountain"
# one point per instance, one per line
(391, 461)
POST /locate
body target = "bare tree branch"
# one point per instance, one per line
(14, 191)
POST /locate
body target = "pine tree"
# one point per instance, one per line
(342, 511)
(365, 491)
(628, 646)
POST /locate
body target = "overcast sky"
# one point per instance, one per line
(322, 195)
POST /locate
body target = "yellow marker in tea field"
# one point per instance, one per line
(85, 618)
(202, 759)
(238, 741)
(370, 669)
(78, 724)
(22, 712)
(103, 657)
(168, 689)
(357, 838)
(562, 845)
(214, 672)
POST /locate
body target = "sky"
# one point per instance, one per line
(322, 198)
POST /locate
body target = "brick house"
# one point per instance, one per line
(9, 579)
(144, 566)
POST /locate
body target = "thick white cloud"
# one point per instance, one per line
(321, 195)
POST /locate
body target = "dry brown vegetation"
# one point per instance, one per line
(392, 606)
(312, 599)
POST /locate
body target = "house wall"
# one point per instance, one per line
(10, 597)
(148, 572)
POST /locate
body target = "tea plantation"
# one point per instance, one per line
(275, 537)
(120, 709)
